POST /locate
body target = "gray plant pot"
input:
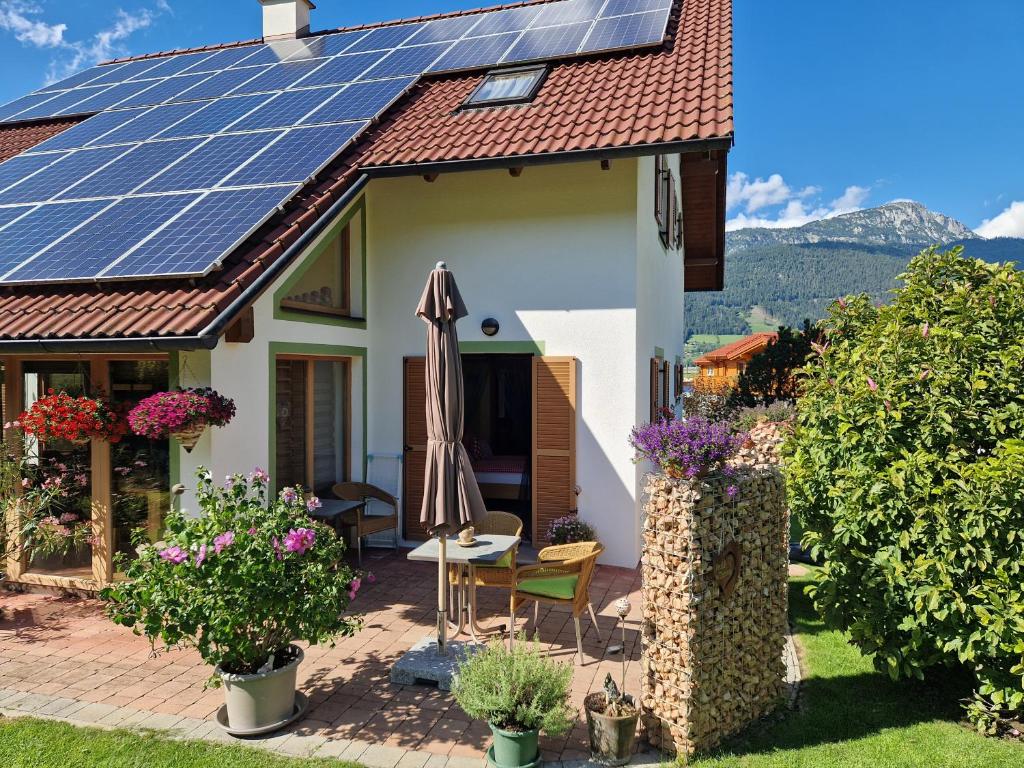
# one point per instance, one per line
(261, 701)
(612, 739)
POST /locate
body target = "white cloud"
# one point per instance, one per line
(24, 20)
(1009, 223)
(791, 208)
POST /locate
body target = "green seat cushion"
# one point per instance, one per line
(505, 561)
(558, 587)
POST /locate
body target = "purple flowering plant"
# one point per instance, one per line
(691, 448)
(160, 415)
(241, 581)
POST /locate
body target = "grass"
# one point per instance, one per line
(32, 743)
(760, 321)
(851, 716)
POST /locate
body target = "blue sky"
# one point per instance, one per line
(839, 105)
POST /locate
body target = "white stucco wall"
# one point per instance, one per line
(562, 256)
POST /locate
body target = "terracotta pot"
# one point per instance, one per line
(265, 699)
(189, 436)
(612, 739)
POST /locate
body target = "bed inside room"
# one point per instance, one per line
(498, 431)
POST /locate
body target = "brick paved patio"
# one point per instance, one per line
(61, 656)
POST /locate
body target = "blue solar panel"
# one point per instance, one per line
(297, 156)
(475, 52)
(79, 78)
(212, 162)
(344, 69)
(95, 245)
(440, 30)
(626, 31)
(385, 37)
(129, 171)
(547, 42)
(119, 73)
(224, 59)
(48, 182)
(215, 116)
(332, 45)
(60, 103)
(199, 239)
(12, 108)
(7, 215)
(279, 77)
(509, 20)
(173, 65)
(219, 84)
(29, 235)
(88, 130)
(622, 7)
(285, 109)
(550, 14)
(360, 101)
(408, 61)
(271, 53)
(110, 97)
(162, 90)
(18, 167)
(147, 125)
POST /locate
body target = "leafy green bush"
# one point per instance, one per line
(745, 419)
(517, 690)
(770, 377)
(906, 470)
(241, 581)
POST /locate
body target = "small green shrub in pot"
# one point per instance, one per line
(906, 469)
(241, 582)
(519, 693)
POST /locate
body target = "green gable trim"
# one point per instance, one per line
(357, 208)
(502, 347)
(174, 381)
(322, 350)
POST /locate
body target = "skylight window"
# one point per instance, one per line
(508, 86)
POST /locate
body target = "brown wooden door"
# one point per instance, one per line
(415, 446)
(554, 441)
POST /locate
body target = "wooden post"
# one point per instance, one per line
(102, 507)
(14, 399)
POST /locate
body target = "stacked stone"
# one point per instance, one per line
(763, 447)
(712, 659)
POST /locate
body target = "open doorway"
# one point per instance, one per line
(498, 431)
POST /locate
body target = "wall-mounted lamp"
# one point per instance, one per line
(490, 327)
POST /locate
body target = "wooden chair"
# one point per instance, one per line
(561, 576)
(502, 573)
(362, 523)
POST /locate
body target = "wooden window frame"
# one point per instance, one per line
(346, 404)
(345, 310)
(100, 468)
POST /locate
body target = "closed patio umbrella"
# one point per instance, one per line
(451, 497)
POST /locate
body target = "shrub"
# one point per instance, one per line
(242, 580)
(746, 419)
(709, 397)
(770, 376)
(906, 470)
(569, 529)
(515, 690)
(690, 448)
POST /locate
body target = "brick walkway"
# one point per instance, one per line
(61, 657)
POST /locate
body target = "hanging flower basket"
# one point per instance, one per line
(183, 414)
(59, 416)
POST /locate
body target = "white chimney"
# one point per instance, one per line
(285, 19)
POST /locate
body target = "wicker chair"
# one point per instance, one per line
(502, 574)
(561, 576)
(362, 523)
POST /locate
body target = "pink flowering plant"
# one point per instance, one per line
(160, 415)
(241, 581)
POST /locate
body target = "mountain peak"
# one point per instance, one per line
(901, 222)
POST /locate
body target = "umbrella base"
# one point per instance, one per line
(422, 664)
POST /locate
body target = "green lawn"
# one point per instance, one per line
(31, 743)
(850, 716)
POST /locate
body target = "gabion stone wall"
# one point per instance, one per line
(715, 572)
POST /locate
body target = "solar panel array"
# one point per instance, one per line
(184, 156)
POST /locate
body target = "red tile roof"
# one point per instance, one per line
(738, 350)
(16, 139)
(680, 92)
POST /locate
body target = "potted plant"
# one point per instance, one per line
(59, 416)
(570, 529)
(241, 582)
(689, 449)
(612, 713)
(519, 692)
(183, 414)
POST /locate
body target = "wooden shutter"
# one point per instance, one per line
(666, 372)
(554, 441)
(415, 446)
(655, 387)
(291, 412)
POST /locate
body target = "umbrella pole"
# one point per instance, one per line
(442, 594)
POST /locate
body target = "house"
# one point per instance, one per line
(267, 232)
(728, 362)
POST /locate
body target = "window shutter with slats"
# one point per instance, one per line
(415, 445)
(554, 441)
